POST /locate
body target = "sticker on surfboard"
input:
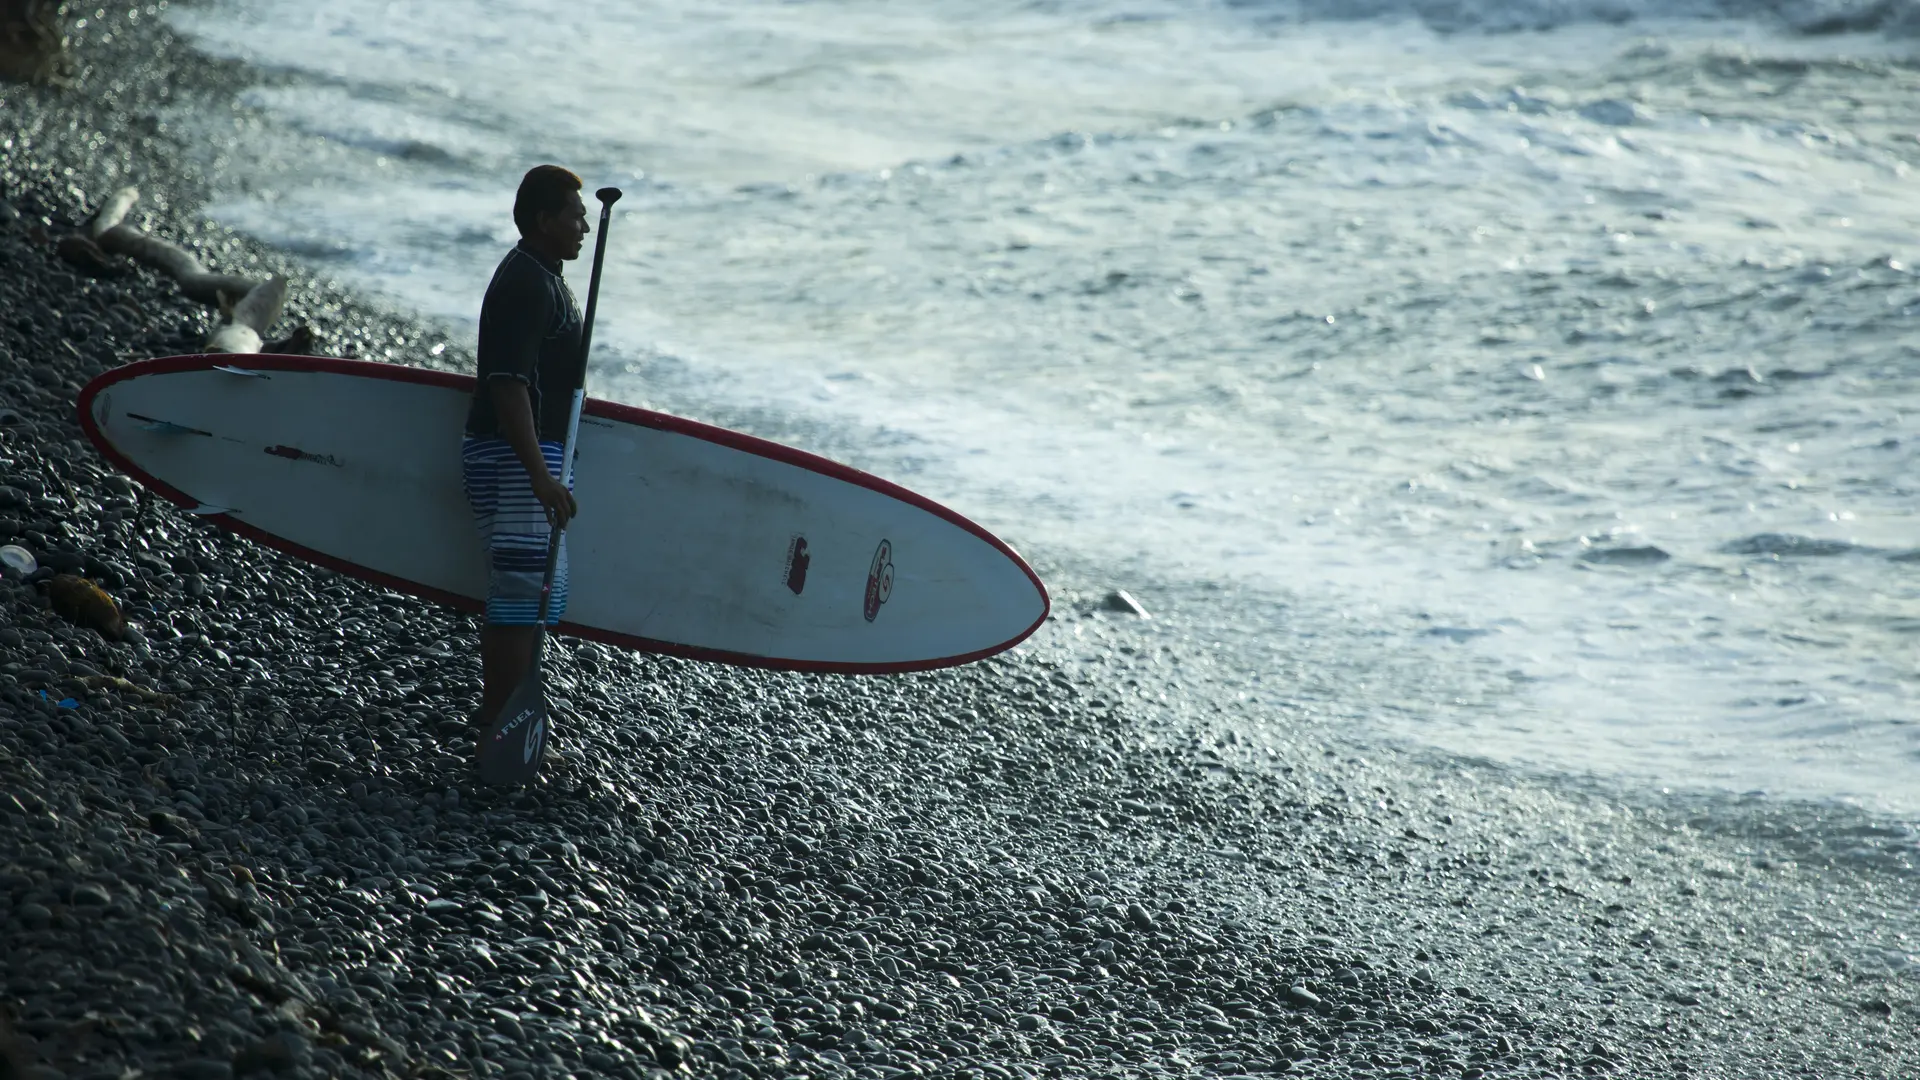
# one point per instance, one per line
(879, 578)
(797, 562)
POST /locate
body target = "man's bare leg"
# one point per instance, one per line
(506, 655)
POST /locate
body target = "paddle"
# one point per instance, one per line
(512, 750)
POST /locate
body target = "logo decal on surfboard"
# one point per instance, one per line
(879, 578)
(797, 561)
(294, 453)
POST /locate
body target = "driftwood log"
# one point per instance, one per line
(250, 306)
(33, 41)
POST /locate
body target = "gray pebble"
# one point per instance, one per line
(278, 1052)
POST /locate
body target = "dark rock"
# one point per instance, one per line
(1789, 544)
(278, 1052)
(507, 1024)
(169, 826)
(1645, 555)
(672, 1050)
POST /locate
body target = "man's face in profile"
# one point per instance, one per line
(562, 233)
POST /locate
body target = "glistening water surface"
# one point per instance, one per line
(1574, 360)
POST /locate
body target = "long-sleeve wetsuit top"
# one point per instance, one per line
(529, 330)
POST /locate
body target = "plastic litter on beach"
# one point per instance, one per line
(65, 702)
(18, 561)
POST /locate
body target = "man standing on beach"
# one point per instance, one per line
(529, 365)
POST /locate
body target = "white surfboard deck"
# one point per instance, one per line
(691, 540)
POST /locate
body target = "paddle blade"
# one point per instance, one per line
(511, 751)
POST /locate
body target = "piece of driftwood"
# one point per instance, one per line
(33, 41)
(126, 689)
(248, 318)
(108, 231)
(249, 306)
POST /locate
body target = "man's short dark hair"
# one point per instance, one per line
(543, 190)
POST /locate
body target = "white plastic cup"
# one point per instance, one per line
(18, 561)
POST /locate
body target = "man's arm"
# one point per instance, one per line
(514, 410)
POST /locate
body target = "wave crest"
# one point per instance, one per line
(1901, 17)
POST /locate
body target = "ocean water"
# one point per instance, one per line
(1567, 349)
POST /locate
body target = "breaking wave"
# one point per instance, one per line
(1894, 17)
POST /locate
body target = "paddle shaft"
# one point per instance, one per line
(607, 196)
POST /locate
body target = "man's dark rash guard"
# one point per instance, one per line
(529, 330)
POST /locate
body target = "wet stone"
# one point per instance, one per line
(275, 1053)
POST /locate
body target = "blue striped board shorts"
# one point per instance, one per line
(514, 527)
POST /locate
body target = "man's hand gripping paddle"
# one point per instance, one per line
(512, 750)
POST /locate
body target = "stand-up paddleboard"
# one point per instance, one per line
(691, 540)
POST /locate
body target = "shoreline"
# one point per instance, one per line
(1037, 865)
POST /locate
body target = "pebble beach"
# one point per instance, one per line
(246, 838)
